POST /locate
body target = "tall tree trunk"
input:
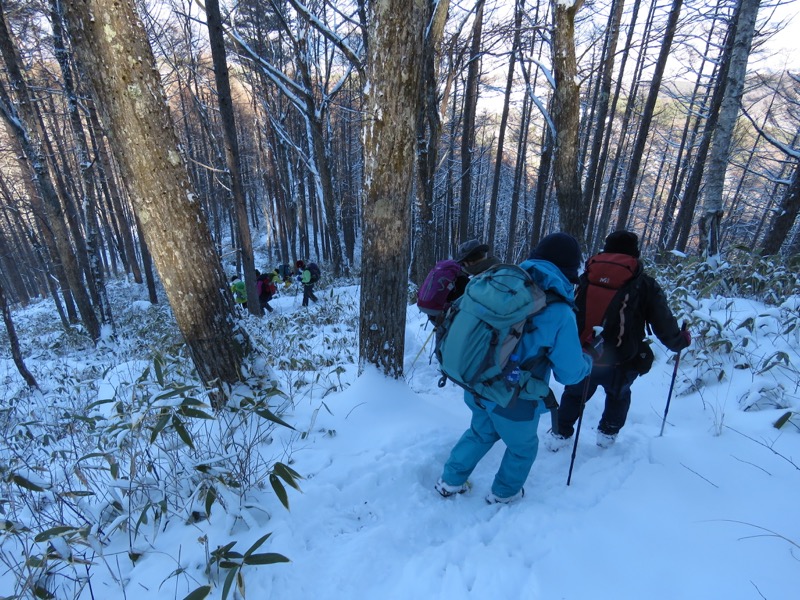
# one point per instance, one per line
(594, 171)
(394, 69)
(95, 273)
(13, 340)
(785, 217)
(112, 47)
(626, 199)
(519, 7)
(683, 222)
(746, 11)
(429, 132)
(566, 116)
(513, 245)
(468, 124)
(225, 102)
(22, 125)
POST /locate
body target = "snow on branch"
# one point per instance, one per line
(330, 35)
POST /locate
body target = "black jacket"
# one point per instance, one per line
(644, 301)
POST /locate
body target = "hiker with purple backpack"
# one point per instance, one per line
(448, 279)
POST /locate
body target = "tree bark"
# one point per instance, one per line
(723, 133)
(468, 124)
(429, 132)
(519, 7)
(785, 218)
(394, 68)
(566, 116)
(22, 125)
(112, 47)
(13, 340)
(632, 175)
(225, 102)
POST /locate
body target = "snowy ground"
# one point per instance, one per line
(709, 510)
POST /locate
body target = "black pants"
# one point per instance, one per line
(616, 382)
(308, 293)
(265, 306)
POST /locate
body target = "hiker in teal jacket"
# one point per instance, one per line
(553, 265)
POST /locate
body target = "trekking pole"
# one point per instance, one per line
(578, 428)
(672, 384)
(430, 335)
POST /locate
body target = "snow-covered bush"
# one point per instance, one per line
(118, 449)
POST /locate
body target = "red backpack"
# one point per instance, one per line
(433, 293)
(608, 296)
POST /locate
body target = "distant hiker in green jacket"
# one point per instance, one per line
(308, 276)
(239, 291)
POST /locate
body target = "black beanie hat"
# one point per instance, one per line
(563, 251)
(622, 242)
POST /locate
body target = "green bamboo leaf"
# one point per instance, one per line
(280, 491)
(13, 527)
(177, 391)
(25, 483)
(265, 413)
(240, 583)
(287, 474)
(199, 593)
(182, 433)
(266, 558)
(782, 420)
(158, 370)
(77, 493)
(226, 588)
(194, 413)
(211, 496)
(92, 455)
(257, 544)
(162, 422)
(97, 403)
(52, 533)
(40, 592)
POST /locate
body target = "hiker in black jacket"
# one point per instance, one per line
(614, 291)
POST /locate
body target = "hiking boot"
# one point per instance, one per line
(605, 440)
(555, 441)
(492, 499)
(447, 490)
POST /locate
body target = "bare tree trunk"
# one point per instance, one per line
(519, 7)
(394, 67)
(723, 133)
(468, 124)
(626, 199)
(225, 103)
(566, 116)
(23, 127)
(683, 222)
(785, 218)
(513, 245)
(594, 171)
(429, 132)
(13, 340)
(95, 273)
(112, 47)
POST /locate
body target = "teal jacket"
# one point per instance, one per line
(554, 341)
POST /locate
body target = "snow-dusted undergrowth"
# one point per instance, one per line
(116, 473)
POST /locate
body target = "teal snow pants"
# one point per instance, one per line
(516, 425)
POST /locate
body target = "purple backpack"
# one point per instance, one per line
(433, 293)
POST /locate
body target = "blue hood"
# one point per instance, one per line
(550, 278)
